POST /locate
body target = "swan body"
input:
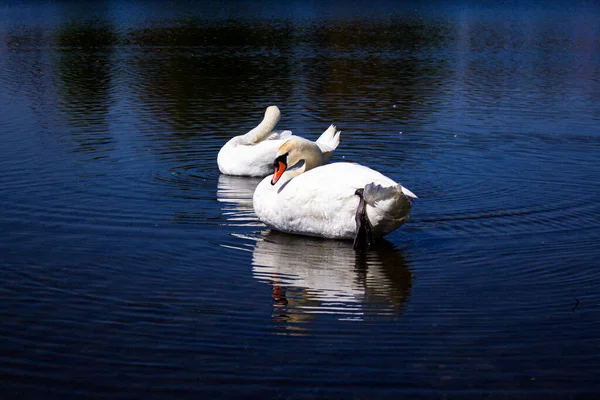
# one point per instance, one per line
(313, 199)
(252, 154)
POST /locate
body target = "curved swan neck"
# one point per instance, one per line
(315, 159)
(302, 155)
(262, 130)
(303, 150)
(292, 173)
(270, 120)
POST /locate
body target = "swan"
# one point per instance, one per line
(338, 201)
(252, 154)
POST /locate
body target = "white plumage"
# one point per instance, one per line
(252, 154)
(320, 200)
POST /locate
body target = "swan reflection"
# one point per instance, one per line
(235, 193)
(312, 276)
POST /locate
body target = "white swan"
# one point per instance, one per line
(252, 154)
(339, 200)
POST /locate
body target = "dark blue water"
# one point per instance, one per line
(131, 269)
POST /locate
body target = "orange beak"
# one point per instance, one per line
(279, 170)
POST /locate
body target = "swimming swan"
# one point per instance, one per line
(340, 200)
(252, 154)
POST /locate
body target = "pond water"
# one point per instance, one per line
(131, 268)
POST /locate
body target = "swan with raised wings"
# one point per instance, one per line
(339, 200)
(252, 154)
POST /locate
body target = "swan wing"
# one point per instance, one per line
(308, 206)
(280, 135)
(374, 192)
(329, 141)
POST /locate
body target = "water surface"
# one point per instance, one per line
(132, 268)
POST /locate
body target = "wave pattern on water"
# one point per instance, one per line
(132, 268)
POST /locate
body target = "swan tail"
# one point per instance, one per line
(329, 141)
(408, 193)
(374, 193)
(265, 128)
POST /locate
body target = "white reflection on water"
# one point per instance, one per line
(235, 194)
(312, 276)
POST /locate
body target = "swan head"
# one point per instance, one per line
(298, 155)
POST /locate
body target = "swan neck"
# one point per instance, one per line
(269, 122)
(303, 155)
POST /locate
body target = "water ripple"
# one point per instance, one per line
(131, 268)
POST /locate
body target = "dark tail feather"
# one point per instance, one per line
(364, 229)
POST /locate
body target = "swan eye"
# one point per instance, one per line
(282, 158)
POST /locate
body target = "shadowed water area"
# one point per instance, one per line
(131, 268)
